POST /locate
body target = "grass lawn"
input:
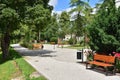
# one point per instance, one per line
(73, 47)
(16, 67)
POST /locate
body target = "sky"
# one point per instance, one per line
(61, 5)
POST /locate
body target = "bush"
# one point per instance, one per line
(118, 65)
(118, 50)
(27, 45)
(82, 42)
(76, 45)
(54, 39)
(104, 31)
(71, 41)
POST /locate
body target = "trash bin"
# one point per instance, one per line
(79, 55)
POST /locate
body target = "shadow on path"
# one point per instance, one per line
(38, 52)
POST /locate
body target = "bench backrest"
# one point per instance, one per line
(36, 45)
(104, 58)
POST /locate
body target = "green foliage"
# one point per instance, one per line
(7, 69)
(82, 8)
(79, 2)
(82, 42)
(9, 21)
(10, 16)
(26, 69)
(77, 47)
(39, 78)
(71, 41)
(118, 64)
(39, 16)
(16, 67)
(54, 39)
(118, 49)
(64, 24)
(52, 28)
(14, 13)
(27, 45)
(104, 31)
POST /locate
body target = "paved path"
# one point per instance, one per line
(60, 64)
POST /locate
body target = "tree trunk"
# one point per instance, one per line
(5, 42)
(39, 36)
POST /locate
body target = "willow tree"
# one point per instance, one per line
(105, 29)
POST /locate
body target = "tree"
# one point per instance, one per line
(64, 24)
(82, 17)
(104, 31)
(52, 28)
(38, 16)
(12, 13)
(9, 18)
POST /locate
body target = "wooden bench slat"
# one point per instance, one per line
(104, 58)
(100, 63)
(37, 46)
(104, 61)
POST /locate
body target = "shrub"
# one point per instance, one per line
(27, 45)
(118, 65)
(104, 31)
(82, 42)
(53, 39)
(71, 41)
(118, 50)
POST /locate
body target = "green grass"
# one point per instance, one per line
(72, 47)
(39, 78)
(75, 47)
(6, 70)
(16, 66)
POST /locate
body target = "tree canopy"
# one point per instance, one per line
(105, 29)
(64, 23)
(14, 12)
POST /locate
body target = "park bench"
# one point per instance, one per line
(104, 61)
(37, 46)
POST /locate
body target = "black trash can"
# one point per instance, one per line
(79, 54)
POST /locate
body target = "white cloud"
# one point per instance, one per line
(53, 2)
